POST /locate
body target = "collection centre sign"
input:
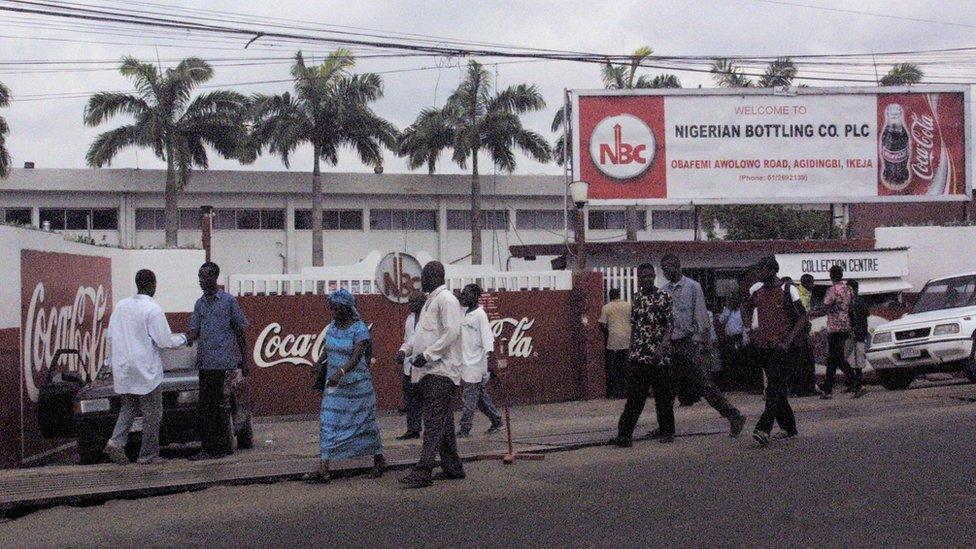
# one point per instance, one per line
(856, 265)
(808, 145)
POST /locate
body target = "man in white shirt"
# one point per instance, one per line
(436, 351)
(137, 331)
(477, 344)
(411, 391)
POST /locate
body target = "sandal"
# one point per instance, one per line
(316, 478)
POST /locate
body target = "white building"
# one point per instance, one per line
(262, 221)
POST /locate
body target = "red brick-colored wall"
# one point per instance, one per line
(867, 217)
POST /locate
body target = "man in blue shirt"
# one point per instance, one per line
(218, 324)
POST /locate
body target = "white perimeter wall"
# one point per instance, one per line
(176, 270)
(932, 251)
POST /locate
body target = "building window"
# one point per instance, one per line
(16, 216)
(672, 220)
(403, 220)
(615, 219)
(332, 220)
(549, 220)
(154, 219)
(491, 220)
(78, 219)
(249, 219)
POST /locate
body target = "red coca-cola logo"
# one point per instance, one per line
(927, 143)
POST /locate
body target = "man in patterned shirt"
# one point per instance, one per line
(651, 324)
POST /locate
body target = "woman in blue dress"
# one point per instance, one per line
(349, 426)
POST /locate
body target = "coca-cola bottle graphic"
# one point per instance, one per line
(895, 149)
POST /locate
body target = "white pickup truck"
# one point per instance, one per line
(937, 336)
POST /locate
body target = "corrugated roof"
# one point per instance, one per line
(275, 182)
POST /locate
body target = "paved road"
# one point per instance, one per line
(893, 471)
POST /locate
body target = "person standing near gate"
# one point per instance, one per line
(781, 318)
(649, 369)
(615, 325)
(218, 323)
(693, 328)
(411, 390)
(136, 332)
(436, 351)
(478, 345)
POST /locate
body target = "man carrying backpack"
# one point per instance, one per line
(781, 318)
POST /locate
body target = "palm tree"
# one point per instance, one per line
(4, 129)
(779, 73)
(166, 119)
(729, 75)
(902, 74)
(475, 119)
(615, 77)
(330, 110)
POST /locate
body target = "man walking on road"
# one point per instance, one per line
(218, 323)
(411, 390)
(136, 332)
(615, 325)
(837, 302)
(781, 318)
(436, 352)
(651, 319)
(693, 330)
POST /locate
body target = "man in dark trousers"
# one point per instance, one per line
(650, 339)
(411, 391)
(615, 325)
(218, 324)
(435, 349)
(692, 331)
(781, 318)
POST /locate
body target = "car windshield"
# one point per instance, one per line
(947, 293)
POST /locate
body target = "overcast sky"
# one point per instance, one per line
(50, 131)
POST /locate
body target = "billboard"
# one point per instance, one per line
(804, 145)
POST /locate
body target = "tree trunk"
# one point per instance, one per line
(172, 212)
(317, 255)
(475, 210)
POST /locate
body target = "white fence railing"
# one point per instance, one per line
(622, 278)
(297, 284)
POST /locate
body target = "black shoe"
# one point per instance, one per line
(620, 442)
(736, 425)
(859, 392)
(408, 435)
(494, 428)
(416, 479)
(762, 437)
(444, 475)
(378, 466)
(782, 435)
(665, 439)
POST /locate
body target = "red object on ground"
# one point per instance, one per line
(510, 457)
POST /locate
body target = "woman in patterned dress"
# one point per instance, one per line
(349, 426)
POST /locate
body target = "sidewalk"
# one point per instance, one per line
(286, 449)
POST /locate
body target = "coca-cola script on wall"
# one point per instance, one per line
(286, 333)
(66, 300)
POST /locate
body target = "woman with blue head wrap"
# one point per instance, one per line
(349, 426)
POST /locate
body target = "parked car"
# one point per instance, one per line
(70, 406)
(937, 336)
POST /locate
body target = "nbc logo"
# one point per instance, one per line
(622, 146)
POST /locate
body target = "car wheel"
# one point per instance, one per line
(245, 437)
(90, 451)
(897, 380)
